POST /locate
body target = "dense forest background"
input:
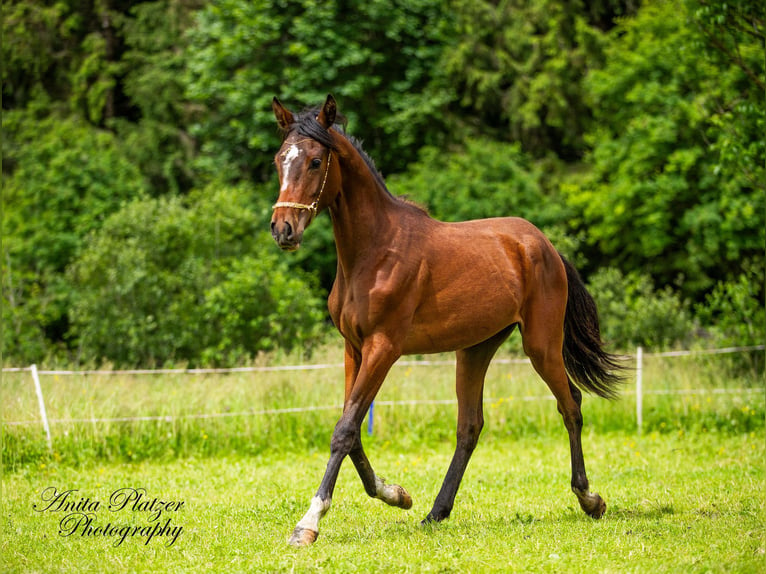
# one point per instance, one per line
(138, 142)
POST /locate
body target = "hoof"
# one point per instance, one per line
(404, 499)
(392, 494)
(303, 537)
(433, 519)
(592, 504)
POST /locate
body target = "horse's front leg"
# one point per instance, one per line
(375, 486)
(377, 355)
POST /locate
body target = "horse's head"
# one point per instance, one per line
(305, 166)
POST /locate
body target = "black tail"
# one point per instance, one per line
(589, 366)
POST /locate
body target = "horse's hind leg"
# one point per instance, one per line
(472, 364)
(543, 345)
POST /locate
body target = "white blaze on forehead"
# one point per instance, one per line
(290, 155)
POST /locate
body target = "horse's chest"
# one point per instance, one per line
(344, 316)
(357, 311)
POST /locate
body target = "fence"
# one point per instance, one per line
(35, 374)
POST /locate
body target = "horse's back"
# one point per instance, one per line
(509, 248)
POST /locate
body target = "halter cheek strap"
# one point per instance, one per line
(313, 207)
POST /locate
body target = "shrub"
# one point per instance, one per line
(260, 305)
(734, 311)
(167, 280)
(61, 179)
(633, 313)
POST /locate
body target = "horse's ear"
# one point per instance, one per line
(327, 116)
(284, 116)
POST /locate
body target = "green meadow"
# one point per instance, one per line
(685, 495)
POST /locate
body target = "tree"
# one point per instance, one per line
(481, 179)
(518, 66)
(665, 193)
(155, 129)
(379, 58)
(115, 64)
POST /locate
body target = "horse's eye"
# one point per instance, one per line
(315, 163)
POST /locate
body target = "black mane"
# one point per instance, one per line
(306, 124)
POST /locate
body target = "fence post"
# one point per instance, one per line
(639, 389)
(41, 403)
(370, 418)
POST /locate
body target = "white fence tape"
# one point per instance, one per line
(224, 371)
(640, 392)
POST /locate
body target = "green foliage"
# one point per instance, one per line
(114, 66)
(63, 178)
(156, 131)
(519, 66)
(483, 179)
(632, 134)
(68, 50)
(633, 313)
(665, 193)
(377, 57)
(261, 304)
(169, 281)
(735, 311)
(33, 34)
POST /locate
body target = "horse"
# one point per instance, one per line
(409, 284)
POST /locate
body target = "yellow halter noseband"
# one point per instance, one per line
(313, 207)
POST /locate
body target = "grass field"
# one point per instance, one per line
(685, 496)
(676, 504)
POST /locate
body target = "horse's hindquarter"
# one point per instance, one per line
(476, 279)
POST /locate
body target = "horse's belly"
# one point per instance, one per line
(455, 325)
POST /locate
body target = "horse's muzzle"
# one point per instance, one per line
(285, 236)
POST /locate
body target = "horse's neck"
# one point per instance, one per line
(363, 216)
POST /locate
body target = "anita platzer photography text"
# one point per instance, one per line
(130, 513)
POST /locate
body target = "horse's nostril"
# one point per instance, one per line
(288, 231)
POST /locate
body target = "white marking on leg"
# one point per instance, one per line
(385, 492)
(392, 494)
(318, 509)
(290, 155)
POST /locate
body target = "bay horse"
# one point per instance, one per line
(407, 283)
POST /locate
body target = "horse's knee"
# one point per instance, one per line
(344, 437)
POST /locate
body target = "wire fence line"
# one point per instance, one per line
(339, 406)
(321, 366)
(639, 392)
(224, 371)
